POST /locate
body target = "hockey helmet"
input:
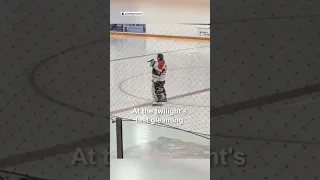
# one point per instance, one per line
(160, 56)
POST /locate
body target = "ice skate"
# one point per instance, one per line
(157, 103)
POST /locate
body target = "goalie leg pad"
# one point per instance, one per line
(164, 90)
(160, 92)
(153, 91)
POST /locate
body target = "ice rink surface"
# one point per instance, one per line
(187, 85)
(182, 148)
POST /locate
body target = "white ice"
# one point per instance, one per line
(187, 86)
(188, 75)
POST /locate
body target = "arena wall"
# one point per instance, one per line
(176, 29)
(183, 31)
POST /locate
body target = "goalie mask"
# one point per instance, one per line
(160, 57)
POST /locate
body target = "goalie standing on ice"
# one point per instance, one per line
(159, 70)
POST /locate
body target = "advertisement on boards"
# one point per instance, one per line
(134, 28)
(204, 32)
(116, 27)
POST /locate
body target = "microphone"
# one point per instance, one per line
(150, 60)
